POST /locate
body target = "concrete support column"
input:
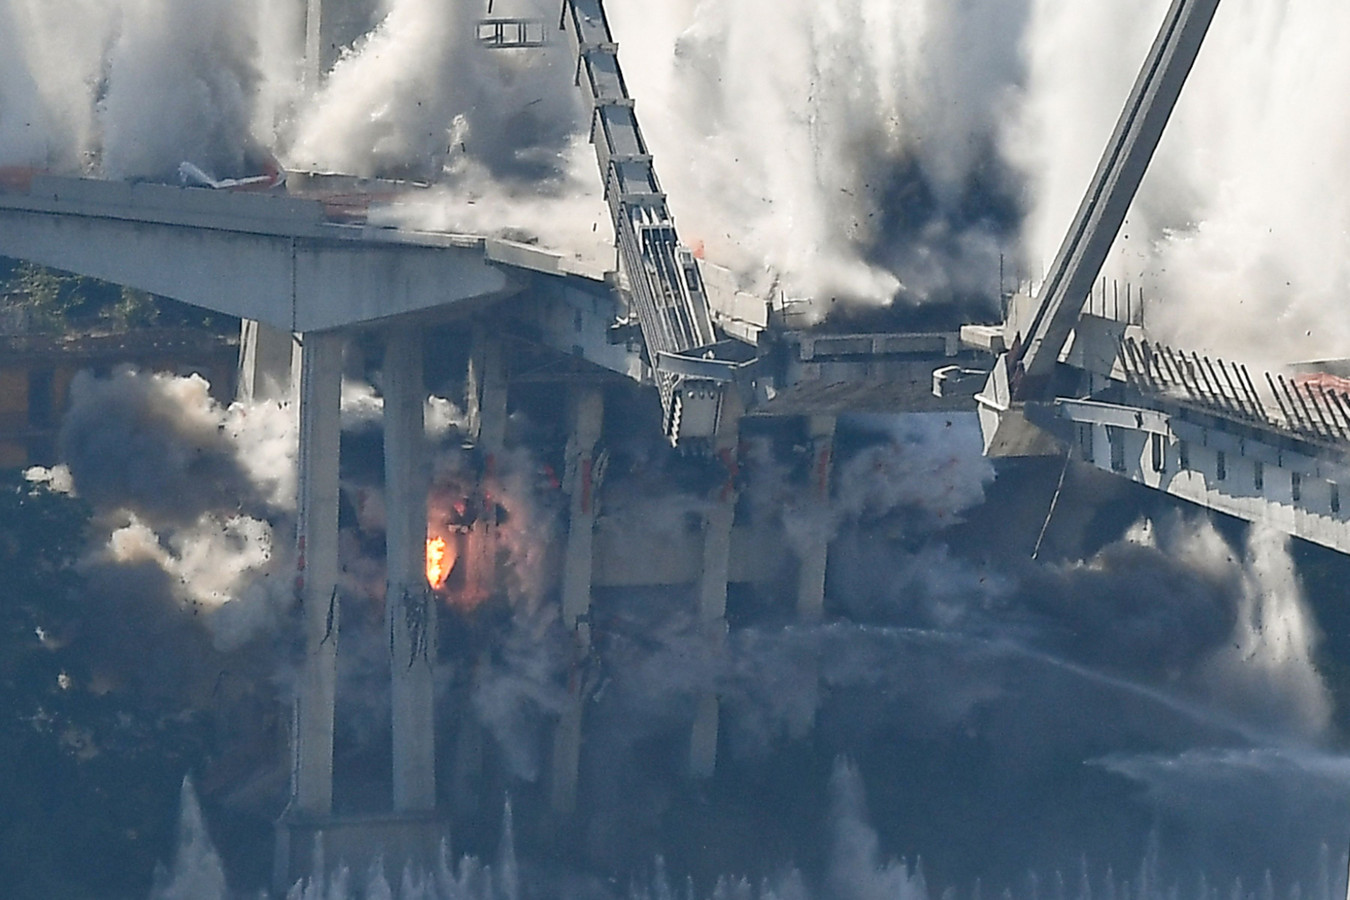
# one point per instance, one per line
(317, 570)
(485, 389)
(314, 55)
(264, 362)
(812, 558)
(581, 480)
(712, 595)
(811, 564)
(410, 607)
(580, 476)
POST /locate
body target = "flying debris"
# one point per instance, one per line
(272, 177)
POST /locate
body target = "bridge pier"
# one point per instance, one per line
(317, 570)
(410, 607)
(587, 409)
(266, 358)
(813, 557)
(310, 831)
(713, 579)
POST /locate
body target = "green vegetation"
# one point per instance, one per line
(88, 773)
(53, 302)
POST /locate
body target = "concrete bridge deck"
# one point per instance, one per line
(1266, 447)
(271, 258)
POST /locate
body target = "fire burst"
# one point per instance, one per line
(439, 562)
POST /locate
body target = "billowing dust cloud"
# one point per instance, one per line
(918, 149)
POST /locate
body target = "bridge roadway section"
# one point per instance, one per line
(1270, 448)
(304, 276)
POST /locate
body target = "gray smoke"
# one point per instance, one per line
(191, 63)
(990, 680)
(418, 92)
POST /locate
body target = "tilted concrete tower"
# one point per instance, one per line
(330, 26)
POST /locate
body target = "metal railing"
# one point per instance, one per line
(1313, 407)
(664, 280)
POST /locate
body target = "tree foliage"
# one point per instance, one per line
(59, 303)
(88, 775)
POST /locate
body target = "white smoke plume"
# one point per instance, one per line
(131, 88)
(197, 872)
(1003, 663)
(1239, 231)
(53, 61)
(163, 446)
(196, 58)
(879, 114)
(909, 140)
(418, 91)
(1269, 666)
(816, 212)
(927, 465)
(930, 462)
(202, 491)
(232, 569)
(502, 132)
(1235, 633)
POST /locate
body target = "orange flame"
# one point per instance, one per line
(440, 560)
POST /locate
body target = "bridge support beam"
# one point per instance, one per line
(317, 570)
(712, 593)
(587, 419)
(410, 607)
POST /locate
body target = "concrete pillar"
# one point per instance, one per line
(812, 558)
(712, 595)
(811, 565)
(314, 57)
(581, 480)
(485, 389)
(330, 27)
(264, 362)
(317, 570)
(410, 607)
(580, 476)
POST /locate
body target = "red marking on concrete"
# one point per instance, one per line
(18, 178)
(732, 464)
(587, 475)
(823, 472)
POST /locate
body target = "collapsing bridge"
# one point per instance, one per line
(1268, 448)
(318, 273)
(307, 272)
